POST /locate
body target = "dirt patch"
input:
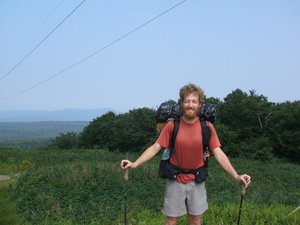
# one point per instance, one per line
(4, 177)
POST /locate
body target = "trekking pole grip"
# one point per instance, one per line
(243, 191)
(126, 172)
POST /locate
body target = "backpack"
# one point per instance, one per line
(170, 111)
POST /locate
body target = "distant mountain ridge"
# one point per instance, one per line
(11, 131)
(57, 115)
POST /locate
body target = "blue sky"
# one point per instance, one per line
(218, 45)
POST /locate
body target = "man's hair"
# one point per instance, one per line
(189, 89)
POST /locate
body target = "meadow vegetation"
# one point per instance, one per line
(76, 179)
(87, 187)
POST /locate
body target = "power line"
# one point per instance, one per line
(82, 60)
(28, 38)
(42, 41)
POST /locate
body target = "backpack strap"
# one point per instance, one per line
(206, 134)
(206, 131)
(174, 133)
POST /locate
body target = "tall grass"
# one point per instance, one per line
(228, 214)
(87, 187)
(8, 208)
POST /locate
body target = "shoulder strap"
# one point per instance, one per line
(174, 133)
(206, 132)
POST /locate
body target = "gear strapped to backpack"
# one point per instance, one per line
(172, 111)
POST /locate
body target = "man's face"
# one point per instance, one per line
(191, 106)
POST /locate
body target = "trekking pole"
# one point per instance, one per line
(125, 193)
(243, 191)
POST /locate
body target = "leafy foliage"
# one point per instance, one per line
(246, 114)
(66, 141)
(87, 187)
(125, 132)
(251, 127)
(284, 130)
(247, 124)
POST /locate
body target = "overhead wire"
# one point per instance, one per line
(30, 36)
(41, 41)
(96, 52)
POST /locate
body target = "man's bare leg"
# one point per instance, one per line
(194, 220)
(171, 220)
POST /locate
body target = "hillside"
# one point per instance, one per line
(84, 186)
(30, 135)
(58, 115)
(32, 130)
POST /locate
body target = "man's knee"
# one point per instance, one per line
(194, 220)
(171, 220)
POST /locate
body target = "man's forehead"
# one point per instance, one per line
(191, 95)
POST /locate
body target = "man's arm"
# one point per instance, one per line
(147, 155)
(226, 165)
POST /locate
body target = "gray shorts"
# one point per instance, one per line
(180, 198)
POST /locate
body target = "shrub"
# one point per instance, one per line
(87, 187)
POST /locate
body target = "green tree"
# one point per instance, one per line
(124, 132)
(99, 132)
(139, 131)
(247, 116)
(260, 109)
(213, 100)
(234, 112)
(228, 139)
(247, 124)
(284, 129)
(66, 141)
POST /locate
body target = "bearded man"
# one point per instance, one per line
(184, 194)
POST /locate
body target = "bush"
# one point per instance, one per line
(87, 187)
(66, 141)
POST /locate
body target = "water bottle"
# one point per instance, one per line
(166, 154)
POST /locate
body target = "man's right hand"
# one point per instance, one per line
(126, 164)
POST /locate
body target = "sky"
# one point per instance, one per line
(124, 55)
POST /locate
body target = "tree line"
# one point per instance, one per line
(248, 125)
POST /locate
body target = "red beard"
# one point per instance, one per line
(190, 113)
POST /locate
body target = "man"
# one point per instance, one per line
(184, 192)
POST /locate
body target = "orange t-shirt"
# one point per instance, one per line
(188, 150)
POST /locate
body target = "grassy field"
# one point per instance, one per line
(87, 187)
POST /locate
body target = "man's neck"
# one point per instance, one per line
(188, 120)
